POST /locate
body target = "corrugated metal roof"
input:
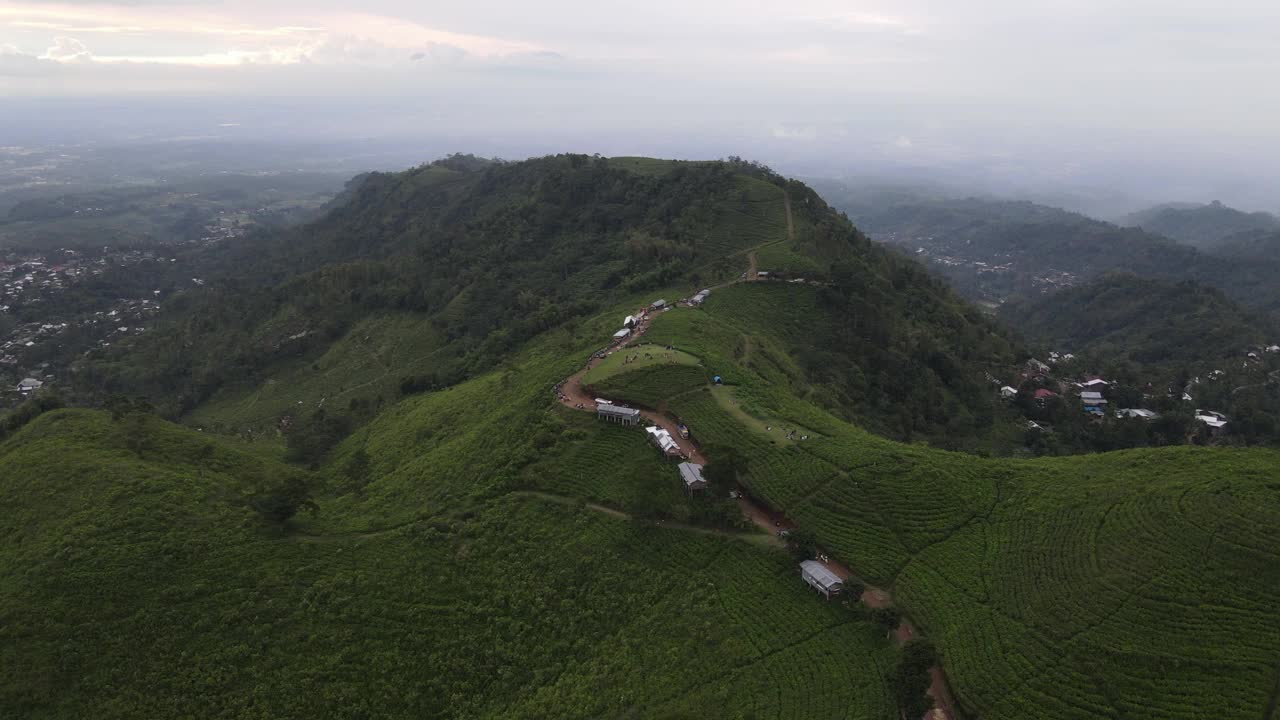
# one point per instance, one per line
(617, 411)
(820, 573)
(691, 473)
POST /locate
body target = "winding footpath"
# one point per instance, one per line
(573, 394)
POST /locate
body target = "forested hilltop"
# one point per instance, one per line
(394, 490)
(1203, 226)
(417, 280)
(991, 249)
(1149, 322)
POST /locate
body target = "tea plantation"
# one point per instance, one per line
(1133, 584)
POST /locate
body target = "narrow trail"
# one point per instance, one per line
(751, 537)
(572, 394)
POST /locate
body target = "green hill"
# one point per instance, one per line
(1202, 226)
(1146, 321)
(138, 583)
(417, 280)
(1132, 584)
(432, 582)
(1256, 245)
(479, 549)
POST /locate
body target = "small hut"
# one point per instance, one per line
(820, 578)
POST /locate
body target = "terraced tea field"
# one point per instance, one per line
(1131, 584)
(510, 606)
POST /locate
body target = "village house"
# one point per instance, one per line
(629, 322)
(1044, 395)
(700, 298)
(1137, 413)
(617, 413)
(1008, 392)
(658, 304)
(820, 578)
(29, 385)
(1216, 421)
(622, 334)
(662, 440)
(691, 474)
(1092, 401)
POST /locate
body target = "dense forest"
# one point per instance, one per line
(1150, 322)
(1203, 226)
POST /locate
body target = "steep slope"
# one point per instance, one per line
(1201, 226)
(417, 280)
(1146, 321)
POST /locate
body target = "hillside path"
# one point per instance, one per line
(572, 394)
(751, 537)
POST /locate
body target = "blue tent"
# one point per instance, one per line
(716, 379)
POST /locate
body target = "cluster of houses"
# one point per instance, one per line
(1091, 393)
(659, 437)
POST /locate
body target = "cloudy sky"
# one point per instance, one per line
(1045, 90)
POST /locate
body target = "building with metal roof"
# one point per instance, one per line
(691, 474)
(662, 440)
(820, 578)
(617, 413)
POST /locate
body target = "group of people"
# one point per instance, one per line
(789, 434)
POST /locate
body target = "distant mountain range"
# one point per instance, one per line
(992, 250)
(1207, 227)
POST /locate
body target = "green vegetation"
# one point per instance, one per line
(476, 549)
(1150, 322)
(991, 250)
(636, 357)
(652, 386)
(144, 584)
(1154, 341)
(1204, 226)
(1048, 586)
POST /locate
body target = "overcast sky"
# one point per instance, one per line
(1183, 92)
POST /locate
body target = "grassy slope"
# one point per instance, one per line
(1137, 584)
(178, 602)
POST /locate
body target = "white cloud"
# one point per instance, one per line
(67, 49)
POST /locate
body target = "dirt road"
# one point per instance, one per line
(572, 394)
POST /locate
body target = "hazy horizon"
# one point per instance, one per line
(1121, 106)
